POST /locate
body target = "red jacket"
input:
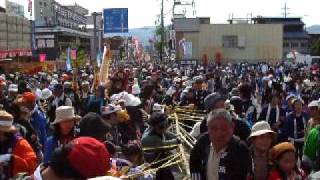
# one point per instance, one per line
(275, 175)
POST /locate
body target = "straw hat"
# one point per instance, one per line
(65, 113)
(278, 149)
(6, 122)
(260, 128)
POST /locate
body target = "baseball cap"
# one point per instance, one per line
(29, 97)
(89, 157)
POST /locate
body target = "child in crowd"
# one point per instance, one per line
(284, 159)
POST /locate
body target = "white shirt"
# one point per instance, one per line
(196, 130)
(58, 99)
(213, 163)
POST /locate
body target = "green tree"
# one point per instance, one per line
(315, 48)
(81, 58)
(157, 44)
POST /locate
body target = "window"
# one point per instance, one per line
(303, 44)
(294, 45)
(45, 4)
(286, 44)
(229, 41)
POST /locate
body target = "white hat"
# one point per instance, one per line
(314, 104)
(131, 100)
(55, 76)
(307, 82)
(260, 128)
(136, 89)
(67, 84)
(38, 93)
(177, 80)
(158, 108)
(46, 93)
(118, 97)
(65, 113)
(85, 83)
(54, 82)
(110, 108)
(13, 88)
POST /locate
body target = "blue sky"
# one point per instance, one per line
(144, 12)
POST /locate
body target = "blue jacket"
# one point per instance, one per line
(301, 125)
(49, 147)
(39, 123)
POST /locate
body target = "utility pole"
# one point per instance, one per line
(94, 16)
(285, 9)
(162, 33)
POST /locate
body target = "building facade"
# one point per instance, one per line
(14, 9)
(295, 36)
(196, 38)
(58, 27)
(15, 37)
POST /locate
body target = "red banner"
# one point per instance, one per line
(15, 52)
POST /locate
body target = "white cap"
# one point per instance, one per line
(314, 104)
(46, 93)
(13, 88)
(131, 100)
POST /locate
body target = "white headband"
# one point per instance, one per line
(6, 123)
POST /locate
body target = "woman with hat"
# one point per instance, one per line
(284, 160)
(63, 130)
(261, 139)
(16, 154)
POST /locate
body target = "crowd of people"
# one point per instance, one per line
(262, 122)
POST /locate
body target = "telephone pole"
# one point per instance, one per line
(286, 9)
(162, 33)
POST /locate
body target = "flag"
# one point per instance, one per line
(68, 62)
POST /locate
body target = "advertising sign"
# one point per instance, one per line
(188, 50)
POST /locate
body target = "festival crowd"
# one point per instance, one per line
(262, 122)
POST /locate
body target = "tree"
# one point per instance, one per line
(315, 48)
(81, 58)
(158, 42)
